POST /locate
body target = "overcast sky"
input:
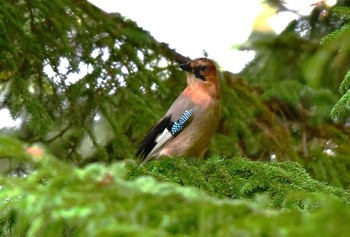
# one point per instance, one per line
(193, 26)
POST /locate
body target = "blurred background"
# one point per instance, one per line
(86, 80)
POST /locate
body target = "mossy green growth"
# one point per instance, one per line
(233, 197)
(239, 178)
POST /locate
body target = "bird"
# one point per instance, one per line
(191, 121)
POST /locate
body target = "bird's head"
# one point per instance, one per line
(202, 72)
(202, 68)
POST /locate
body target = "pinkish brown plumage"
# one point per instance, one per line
(194, 116)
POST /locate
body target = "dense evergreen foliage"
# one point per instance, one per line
(298, 80)
(217, 197)
(66, 64)
(87, 85)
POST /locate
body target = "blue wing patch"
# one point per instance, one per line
(180, 124)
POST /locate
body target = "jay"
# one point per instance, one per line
(191, 121)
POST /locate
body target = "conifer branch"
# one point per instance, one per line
(59, 135)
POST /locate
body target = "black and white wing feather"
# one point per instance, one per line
(161, 134)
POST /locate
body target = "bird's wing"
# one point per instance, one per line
(149, 141)
(162, 133)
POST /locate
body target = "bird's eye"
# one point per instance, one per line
(203, 68)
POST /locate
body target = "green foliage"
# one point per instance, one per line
(335, 35)
(65, 65)
(239, 178)
(88, 85)
(342, 11)
(287, 90)
(11, 148)
(218, 197)
(342, 106)
(297, 80)
(337, 39)
(345, 85)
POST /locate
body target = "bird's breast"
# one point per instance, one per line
(195, 138)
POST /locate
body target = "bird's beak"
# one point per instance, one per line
(186, 67)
